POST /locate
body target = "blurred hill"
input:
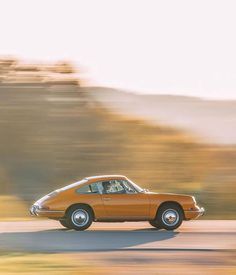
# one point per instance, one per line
(53, 134)
(210, 120)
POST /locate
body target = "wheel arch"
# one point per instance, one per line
(171, 202)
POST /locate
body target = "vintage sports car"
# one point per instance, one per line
(114, 198)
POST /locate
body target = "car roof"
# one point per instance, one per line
(105, 177)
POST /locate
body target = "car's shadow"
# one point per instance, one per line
(57, 240)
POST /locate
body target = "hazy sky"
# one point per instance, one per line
(174, 47)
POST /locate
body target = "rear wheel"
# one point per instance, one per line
(79, 217)
(155, 224)
(170, 216)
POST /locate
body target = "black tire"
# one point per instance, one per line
(155, 224)
(170, 216)
(64, 223)
(79, 217)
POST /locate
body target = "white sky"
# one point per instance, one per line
(168, 47)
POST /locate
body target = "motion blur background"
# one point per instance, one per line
(54, 132)
(168, 122)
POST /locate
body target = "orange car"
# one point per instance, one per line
(114, 198)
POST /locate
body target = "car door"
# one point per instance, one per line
(123, 202)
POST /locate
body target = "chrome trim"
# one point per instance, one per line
(194, 200)
(35, 210)
(201, 211)
(50, 211)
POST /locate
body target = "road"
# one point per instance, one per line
(50, 236)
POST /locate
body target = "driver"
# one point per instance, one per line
(106, 187)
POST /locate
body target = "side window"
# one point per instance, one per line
(100, 187)
(88, 189)
(113, 187)
(107, 187)
(94, 188)
(83, 190)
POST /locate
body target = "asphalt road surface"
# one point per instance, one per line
(50, 236)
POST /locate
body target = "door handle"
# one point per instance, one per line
(106, 199)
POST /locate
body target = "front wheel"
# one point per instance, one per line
(170, 216)
(64, 223)
(79, 218)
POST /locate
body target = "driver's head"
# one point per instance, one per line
(106, 185)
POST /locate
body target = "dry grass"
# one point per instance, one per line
(12, 207)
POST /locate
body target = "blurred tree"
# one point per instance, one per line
(64, 67)
(27, 68)
(8, 62)
(6, 66)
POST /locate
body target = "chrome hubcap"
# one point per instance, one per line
(80, 217)
(170, 217)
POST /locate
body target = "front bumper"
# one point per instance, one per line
(201, 211)
(35, 210)
(195, 213)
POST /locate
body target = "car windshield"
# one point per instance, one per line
(73, 184)
(139, 189)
